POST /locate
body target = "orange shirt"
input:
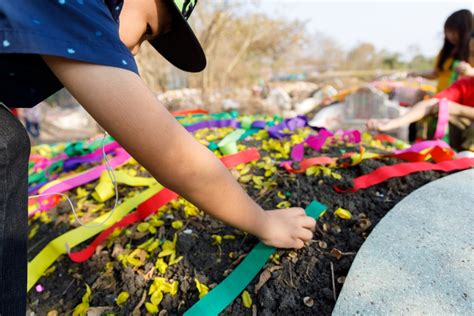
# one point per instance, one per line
(444, 75)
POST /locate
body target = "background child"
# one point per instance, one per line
(461, 110)
(457, 29)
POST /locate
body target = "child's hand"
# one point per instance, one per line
(380, 125)
(464, 69)
(287, 228)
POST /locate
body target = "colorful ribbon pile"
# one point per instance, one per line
(62, 170)
(152, 199)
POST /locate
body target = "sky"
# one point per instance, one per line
(392, 25)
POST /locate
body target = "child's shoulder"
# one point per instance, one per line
(82, 30)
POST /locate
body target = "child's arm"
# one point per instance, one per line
(119, 100)
(427, 74)
(459, 110)
(419, 111)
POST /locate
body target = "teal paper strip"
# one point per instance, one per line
(225, 293)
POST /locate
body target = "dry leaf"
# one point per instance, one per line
(264, 277)
(336, 253)
(308, 301)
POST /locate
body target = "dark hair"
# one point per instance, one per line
(460, 22)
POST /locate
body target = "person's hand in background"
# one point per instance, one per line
(464, 69)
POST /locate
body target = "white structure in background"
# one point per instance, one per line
(66, 123)
(280, 98)
(230, 105)
(366, 103)
(309, 104)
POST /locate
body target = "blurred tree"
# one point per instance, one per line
(243, 46)
(391, 60)
(363, 57)
(421, 62)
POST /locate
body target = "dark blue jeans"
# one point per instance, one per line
(14, 153)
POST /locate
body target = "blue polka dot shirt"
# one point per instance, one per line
(82, 30)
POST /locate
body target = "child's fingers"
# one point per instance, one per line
(305, 235)
(298, 244)
(297, 211)
(371, 124)
(308, 222)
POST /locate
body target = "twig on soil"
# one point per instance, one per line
(136, 310)
(333, 282)
(67, 288)
(291, 276)
(149, 275)
(243, 241)
(36, 244)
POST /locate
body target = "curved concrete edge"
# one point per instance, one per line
(420, 258)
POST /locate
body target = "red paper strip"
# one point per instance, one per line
(245, 156)
(188, 112)
(307, 163)
(151, 206)
(385, 138)
(437, 153)
(387, 172)
(145, 209)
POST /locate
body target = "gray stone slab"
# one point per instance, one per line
(419, 259)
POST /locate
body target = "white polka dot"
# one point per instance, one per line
(117, 8)
(71, 51)
(37, 22)
(98, 33)
(80, 1)
(6, 43)
(62, 1)
(124, 62)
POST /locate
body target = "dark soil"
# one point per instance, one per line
(301, 282)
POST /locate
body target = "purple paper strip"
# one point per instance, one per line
(95, 156)
(292, 124)
(213, 124)
(259, 124)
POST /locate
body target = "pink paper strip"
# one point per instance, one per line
(423, 145)
(63, 185)
(443, 119)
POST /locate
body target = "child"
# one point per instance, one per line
(457, 28)
(461, 108)
(460, 96)
(48, 44)
(465, 68)
(455, 50)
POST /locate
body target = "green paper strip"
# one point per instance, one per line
(222, 295)
(42, 175)
(246, 122)
(195, 118)
(248, 133)
(98, 143)
(228, 146)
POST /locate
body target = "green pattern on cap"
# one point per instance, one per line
(185, 6)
